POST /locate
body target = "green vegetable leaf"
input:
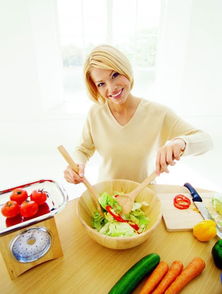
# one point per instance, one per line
(106, 199)
(98, 221)
(138, 217)
(217, 203)
(109, 226)
(116, 229)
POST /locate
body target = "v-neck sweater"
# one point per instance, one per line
(129, 151)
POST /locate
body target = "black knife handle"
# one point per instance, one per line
(193, 192)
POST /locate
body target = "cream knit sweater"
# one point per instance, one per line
(129, 151)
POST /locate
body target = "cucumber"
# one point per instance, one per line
(128, 282)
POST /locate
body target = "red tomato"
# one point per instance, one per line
(19, 195)
(43, 209)
(13, 221)
(182, 202)
(10, 209)
(39, 196)
(29, 208)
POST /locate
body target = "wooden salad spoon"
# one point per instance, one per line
(126, 201)
(73, 165)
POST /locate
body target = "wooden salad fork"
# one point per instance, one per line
(73, 165)
(126, 201)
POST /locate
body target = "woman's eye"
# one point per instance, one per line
(100, 85)
(116, 74)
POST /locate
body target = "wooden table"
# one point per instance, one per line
(89, 268)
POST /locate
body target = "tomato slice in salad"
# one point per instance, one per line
(181, 202)
(118, 218)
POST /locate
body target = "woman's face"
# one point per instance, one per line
(111, 85)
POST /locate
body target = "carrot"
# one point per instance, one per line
(194, 268)
(174, 271)
(154, 278)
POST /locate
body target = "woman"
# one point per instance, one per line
(128, 131)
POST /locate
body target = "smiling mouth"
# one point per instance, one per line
(117, 95)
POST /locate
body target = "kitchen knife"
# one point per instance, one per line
(198, 202)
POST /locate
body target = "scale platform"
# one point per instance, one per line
(25, 243)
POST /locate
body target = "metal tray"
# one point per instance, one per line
(57, 199)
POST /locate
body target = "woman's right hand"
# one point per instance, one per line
(72, 177)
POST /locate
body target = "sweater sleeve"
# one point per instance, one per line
(86, 148)
(197, 141)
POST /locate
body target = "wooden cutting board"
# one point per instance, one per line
(180, 220)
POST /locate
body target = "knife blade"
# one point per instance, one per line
(198, 202)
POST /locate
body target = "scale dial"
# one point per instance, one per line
(31, 244)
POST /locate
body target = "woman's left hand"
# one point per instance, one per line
(168, 153)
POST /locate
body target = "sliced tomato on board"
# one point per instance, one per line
(181, 202)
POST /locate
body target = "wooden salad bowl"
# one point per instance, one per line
(86, 207)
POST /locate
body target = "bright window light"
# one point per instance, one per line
(131, 26)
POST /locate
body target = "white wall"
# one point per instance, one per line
(188, 79)
(189, 66)
(189, 72)
(172, 46)
(201, 88)
(30, 82)
(30, 71)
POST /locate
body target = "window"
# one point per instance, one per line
(131, 26)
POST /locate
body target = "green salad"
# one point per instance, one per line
(217, 203)
(115, 225)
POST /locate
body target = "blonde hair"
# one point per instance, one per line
(105, 57)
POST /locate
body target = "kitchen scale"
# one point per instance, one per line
(27, 243)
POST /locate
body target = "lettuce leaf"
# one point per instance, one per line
(106, 199)
(107, 225)
(117, 229)
(217, 203)
(98, 221)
